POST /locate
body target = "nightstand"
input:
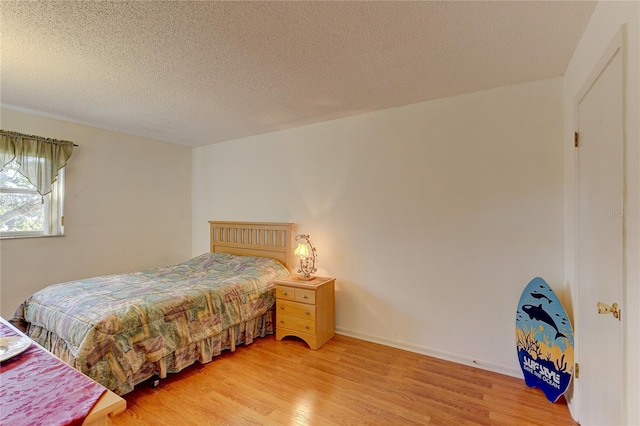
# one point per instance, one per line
(306, 309)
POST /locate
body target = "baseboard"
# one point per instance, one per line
(484, 365)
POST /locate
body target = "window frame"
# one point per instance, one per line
(53, 205)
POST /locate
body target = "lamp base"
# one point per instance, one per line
(301, 278)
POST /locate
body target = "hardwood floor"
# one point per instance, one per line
(347, 382)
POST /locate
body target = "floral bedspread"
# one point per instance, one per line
(112, 327)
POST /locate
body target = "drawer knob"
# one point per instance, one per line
(306, 326)
(281, 307)
(304, 296)
(284, 293)
(306, 312)
(281, 321)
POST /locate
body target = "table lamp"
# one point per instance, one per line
(306, 253)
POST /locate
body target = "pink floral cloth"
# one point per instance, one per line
(37, 388)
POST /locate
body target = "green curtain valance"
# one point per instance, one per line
(39, 158)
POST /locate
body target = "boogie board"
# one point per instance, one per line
(544, 340)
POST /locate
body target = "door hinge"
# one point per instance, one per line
(576, 370)
(62, 221)
(576, 139)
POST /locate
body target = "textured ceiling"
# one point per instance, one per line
(196, 73)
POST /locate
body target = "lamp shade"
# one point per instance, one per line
(302, 250)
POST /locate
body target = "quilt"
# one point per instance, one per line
(116, 328)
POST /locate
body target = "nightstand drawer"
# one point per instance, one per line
(295, 309)
(283, 292)
(297, 294)
(295, 323)
(305, 296)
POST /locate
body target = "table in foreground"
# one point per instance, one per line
(37, 387)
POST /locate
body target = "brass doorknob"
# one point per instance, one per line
(604, 309)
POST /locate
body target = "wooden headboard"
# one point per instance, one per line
(263, 239)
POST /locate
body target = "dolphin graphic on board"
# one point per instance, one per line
(540, 296)
(537, 313)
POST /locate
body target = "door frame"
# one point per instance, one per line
(616, 46)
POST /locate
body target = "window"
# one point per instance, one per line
(32, 184)
(23, 211)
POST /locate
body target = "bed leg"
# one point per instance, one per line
(155, 381)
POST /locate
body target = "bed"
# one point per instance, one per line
(123, 329)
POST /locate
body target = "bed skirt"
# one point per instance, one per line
(202, 351)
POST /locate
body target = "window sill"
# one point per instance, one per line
(20, 237)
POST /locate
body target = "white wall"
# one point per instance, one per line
(128, 207)
(433, 216)
(607, 19)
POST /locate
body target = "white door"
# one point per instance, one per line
(600, 243)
